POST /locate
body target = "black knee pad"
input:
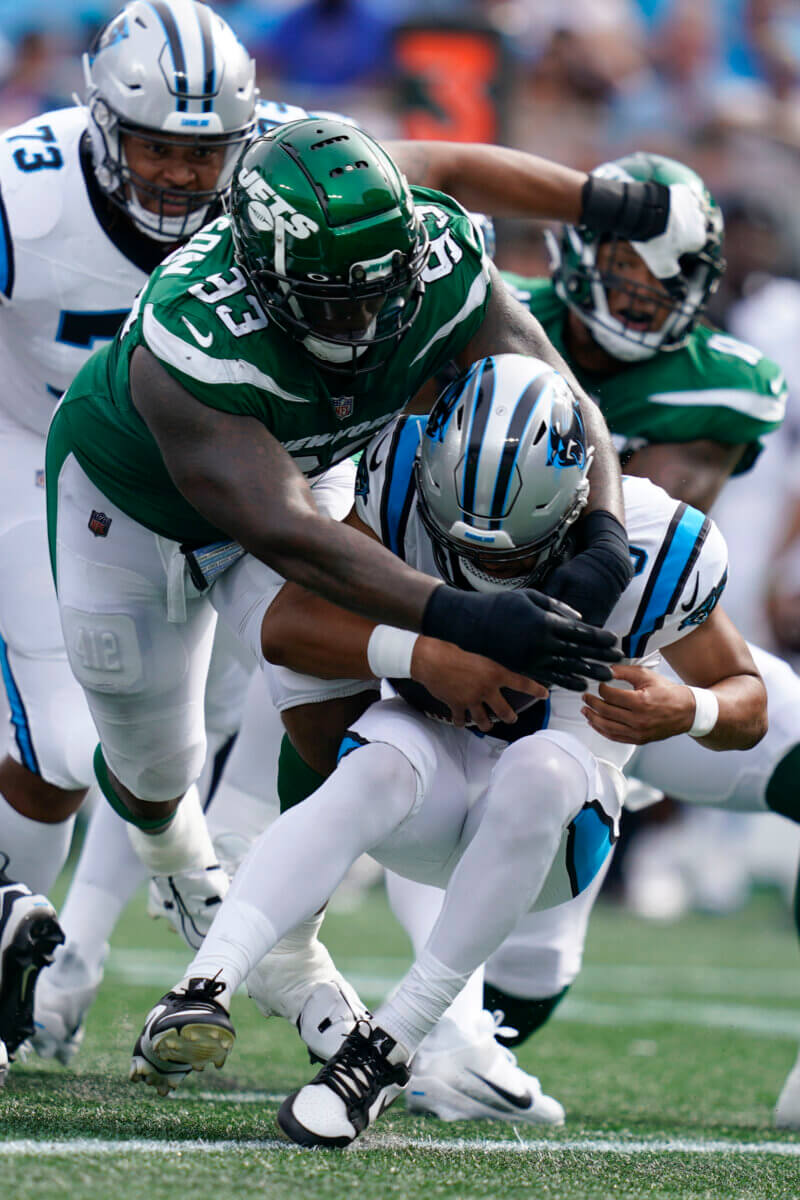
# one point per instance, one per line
(524, 1015)
(783, 789)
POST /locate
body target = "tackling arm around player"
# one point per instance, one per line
(492, 818)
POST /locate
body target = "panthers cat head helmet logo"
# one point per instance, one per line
(167, 72)
(602, 279)
(324, 224)
(501, 473)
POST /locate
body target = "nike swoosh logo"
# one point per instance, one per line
(202, 339)
(688, 607)
(523, 1101)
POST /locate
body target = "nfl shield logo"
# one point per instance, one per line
(342, 406)
(99, 523)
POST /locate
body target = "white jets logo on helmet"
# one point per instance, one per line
(268, 210)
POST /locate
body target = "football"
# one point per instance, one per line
(418, 696)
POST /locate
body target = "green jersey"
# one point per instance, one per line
(714, 387)
(199, 316)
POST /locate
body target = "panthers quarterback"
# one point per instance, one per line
(687, 406)
(486, 494)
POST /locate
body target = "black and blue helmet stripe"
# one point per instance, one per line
(524, 412)
(167, 19)
(478, 407)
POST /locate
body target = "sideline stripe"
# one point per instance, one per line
(588, 1145)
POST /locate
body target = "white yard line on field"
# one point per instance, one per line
(88, 1147)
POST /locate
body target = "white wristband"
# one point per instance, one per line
(389, 652)
(706, 712)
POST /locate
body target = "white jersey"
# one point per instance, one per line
(680, 564)
(65, 285)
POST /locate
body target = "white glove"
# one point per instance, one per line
(685, 233)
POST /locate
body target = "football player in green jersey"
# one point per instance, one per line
(291, 331)
(687, 406)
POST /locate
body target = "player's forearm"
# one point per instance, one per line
(494, 179)
(605, 477)
(344, 567)
(305, 632)
(742, 720)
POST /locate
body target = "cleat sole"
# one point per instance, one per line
(194, 1045)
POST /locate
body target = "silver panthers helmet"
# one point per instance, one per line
(158, 69)
(501, 473)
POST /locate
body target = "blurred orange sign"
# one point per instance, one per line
(454, 81)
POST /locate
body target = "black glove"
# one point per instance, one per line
(525, 631)
(594, 579)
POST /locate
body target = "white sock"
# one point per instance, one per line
(235, 819)
(295, 866)
(36, 851)
(417, 907)
(185, 844)
(238, 939)
(424, 995)
(106, 877)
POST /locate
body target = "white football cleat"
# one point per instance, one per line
(787, 1109)
(460, 1078)
(64, 994)
(305, 987)
(187, 1029)
(190, 900)
(366, 1074)
(29, 935)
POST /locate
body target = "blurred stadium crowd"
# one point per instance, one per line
(714, 83)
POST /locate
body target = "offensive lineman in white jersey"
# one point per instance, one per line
(523, 816)
(91, 201)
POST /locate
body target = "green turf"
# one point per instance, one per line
(673, 1032)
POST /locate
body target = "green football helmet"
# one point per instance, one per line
(584, 282)
(324, 225)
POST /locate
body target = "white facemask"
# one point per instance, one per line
(165, 229)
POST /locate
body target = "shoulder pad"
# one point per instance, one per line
(39, 162)
(680, 563)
